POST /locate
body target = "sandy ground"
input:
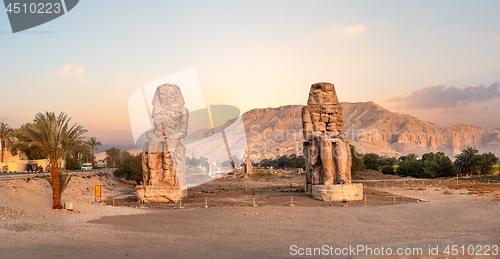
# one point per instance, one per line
(30, 229)
(25, 206)
(272, 190)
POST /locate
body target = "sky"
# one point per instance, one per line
(438, 61)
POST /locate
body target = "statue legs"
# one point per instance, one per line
(335, 158)
(327, 159)
(342, 158)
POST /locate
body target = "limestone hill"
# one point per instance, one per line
(369, 127)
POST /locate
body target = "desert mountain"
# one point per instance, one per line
(369, 127)
(102, 155)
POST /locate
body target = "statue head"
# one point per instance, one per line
(322, 94)
(168, 105)
(171, 95)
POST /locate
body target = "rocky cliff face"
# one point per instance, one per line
(402, 133)
(369, 127)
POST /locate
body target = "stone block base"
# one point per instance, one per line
(338, 192)
(149, 193)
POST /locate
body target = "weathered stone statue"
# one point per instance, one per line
(164, 156)
(327, 152)
(247, 165)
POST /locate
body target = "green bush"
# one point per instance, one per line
(357, 161)
(371, 161)
(484, 164)
(130, 169)
(470, 162)
(388, 169)
(292, 161)
(71, 163)
(436, 165)
(431, 165)
(410, 168)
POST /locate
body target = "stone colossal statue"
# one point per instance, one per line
(326, 149)
(164, 156)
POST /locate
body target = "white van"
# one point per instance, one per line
(86, 167)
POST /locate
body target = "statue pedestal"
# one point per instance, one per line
(150, 193)
(338, 192)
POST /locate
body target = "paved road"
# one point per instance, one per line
(76, 171)
(21, 175)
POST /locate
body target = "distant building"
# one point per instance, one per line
(18, 163)
(100, 163)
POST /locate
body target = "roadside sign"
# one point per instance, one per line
(98, 193)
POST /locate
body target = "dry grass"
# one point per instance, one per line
(446, 192)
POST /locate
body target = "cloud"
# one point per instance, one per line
(454, 111)
(3, 118)
(68, 70)
(79, 70)
(485, 108)
(439, 96)
(358, 28)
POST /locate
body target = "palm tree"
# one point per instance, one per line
(464, 162)
(112, 156)
(6, 137)
(93, 143)
(412, 157)
(22, 145)
(56, 138)
(391, 161)
(79, 150)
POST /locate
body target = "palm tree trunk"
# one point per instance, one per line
(3, 148)
(56, 186)
(92, 157)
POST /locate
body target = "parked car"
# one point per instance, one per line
(86, 167)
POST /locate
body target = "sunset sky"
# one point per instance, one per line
(438, 61)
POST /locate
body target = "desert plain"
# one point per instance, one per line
(396, 213)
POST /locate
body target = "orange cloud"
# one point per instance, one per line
(79, 70)
(358, 28)
(68, 70)
(439, 96)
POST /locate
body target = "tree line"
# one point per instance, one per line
(432, 165)
(19, 140)
(294, 161)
